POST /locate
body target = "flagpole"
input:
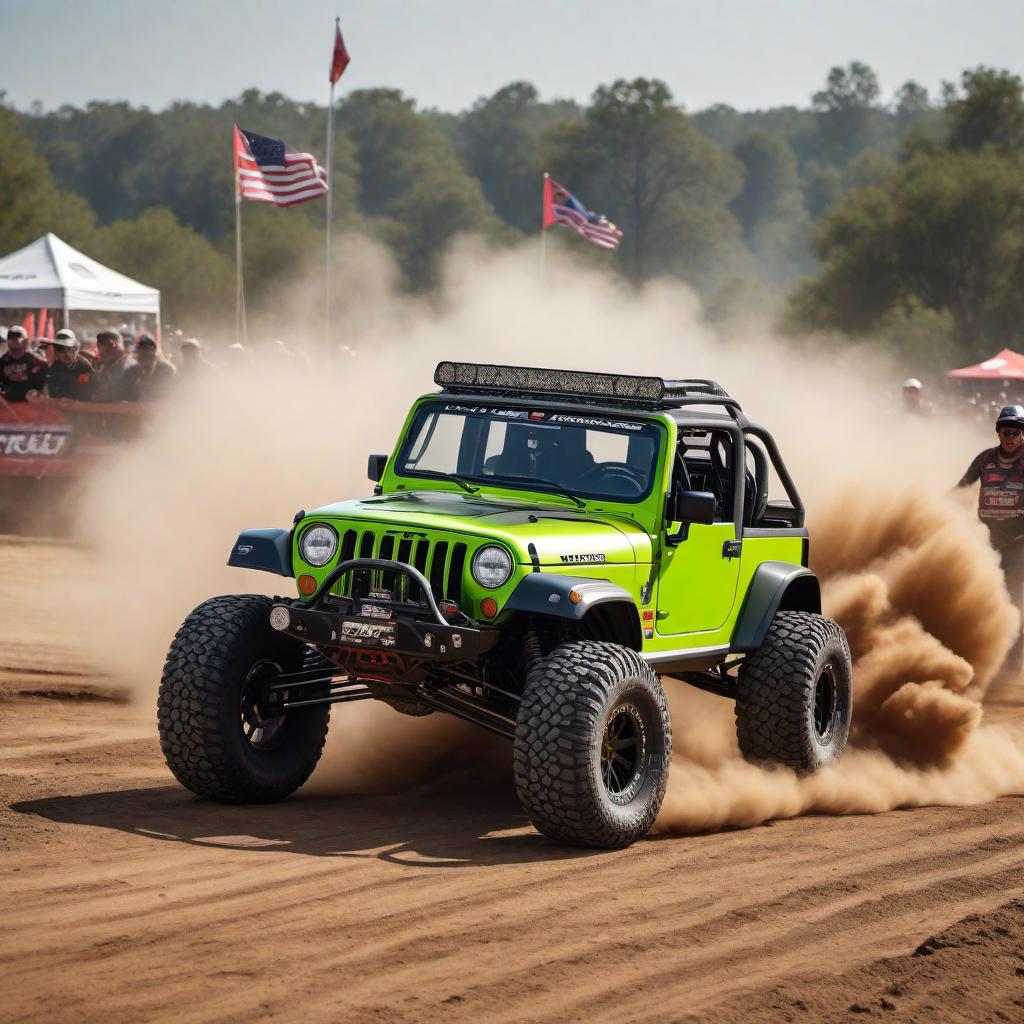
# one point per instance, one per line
(543, 232)
(330, 202)
(241, 330)
(330, 218)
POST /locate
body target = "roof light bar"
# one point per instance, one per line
(487, 377)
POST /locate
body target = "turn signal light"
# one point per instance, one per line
(575, 596)
(488, 607)
(307, 584)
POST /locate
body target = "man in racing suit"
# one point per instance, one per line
(1001, 509)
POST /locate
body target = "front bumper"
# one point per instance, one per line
(404, 620)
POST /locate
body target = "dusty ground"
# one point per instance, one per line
(124, 898)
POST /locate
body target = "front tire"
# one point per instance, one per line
(214, 737)
(794, 695)
(593, 745)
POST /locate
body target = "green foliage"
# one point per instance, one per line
(848, 109)
(411, 182)
(988, 111)
(30, 202)
(658, 178)
(194, 278)
(945, 233)
(770, 209)
(502, 140)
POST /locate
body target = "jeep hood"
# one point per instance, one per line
(559, 535)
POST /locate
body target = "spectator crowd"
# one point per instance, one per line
(117, 367)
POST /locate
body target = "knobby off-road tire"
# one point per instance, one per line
(585, 704)
(794, 695)
(205, 710)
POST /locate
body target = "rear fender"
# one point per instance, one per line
(775, 586)
(267, 550)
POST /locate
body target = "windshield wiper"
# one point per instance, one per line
(550, 483)
(465, 485)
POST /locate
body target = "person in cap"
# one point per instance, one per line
(913, 396)
(1000, 471)
(22, 373)
(71, 374)
(149, 377)
(109, 383)
(194, 365)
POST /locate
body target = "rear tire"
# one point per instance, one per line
(794, 695)
(213, 736)
(593, 744)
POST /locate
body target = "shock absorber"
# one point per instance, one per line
(532, 652)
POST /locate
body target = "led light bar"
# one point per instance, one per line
(526, 380)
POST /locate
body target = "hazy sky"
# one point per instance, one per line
(447, 53)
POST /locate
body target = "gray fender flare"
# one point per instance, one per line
(543, 593)
(267, 550)
(774, 586)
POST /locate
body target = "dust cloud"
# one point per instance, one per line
(905, 567)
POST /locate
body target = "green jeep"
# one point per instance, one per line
(541, 549)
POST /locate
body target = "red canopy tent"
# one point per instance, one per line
(1007, 365)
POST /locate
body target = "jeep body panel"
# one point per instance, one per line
(267, 550)
(773, 585)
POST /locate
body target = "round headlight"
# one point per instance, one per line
(492, 566)
(318, 545)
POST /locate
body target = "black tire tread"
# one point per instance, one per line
(776, 683)
(563, 696)
(206, 653)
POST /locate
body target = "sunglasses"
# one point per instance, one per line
(1009, 432)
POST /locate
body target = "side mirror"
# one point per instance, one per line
(375, 465)
(690, 507)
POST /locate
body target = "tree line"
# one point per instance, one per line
(895, 217)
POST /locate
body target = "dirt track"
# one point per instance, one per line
(125, 898)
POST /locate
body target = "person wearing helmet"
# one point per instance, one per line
(1000, 471)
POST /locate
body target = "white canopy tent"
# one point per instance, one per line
(49, 274)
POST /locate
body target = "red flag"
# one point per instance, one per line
(549, 201)
(340, 57)
(29, 323)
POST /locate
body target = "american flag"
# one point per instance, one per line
(270, 171)
(562, 207)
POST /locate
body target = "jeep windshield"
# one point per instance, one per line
(572, 454)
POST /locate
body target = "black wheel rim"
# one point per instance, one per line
(825, 701)
(261, 733)
(623, 753)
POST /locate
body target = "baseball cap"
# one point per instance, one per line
(64, 338)
(145, 341)
(17, 331)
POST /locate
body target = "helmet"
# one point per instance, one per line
(912, 384)
(1011, 414)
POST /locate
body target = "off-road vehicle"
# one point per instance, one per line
(541, 549)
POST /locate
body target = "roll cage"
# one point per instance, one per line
(692, 404)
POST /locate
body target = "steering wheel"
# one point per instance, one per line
(610, 472)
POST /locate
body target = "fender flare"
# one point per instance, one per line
(774, 586)
(542, 593)
(266, 550)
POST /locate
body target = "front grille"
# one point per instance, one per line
(440, 561)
